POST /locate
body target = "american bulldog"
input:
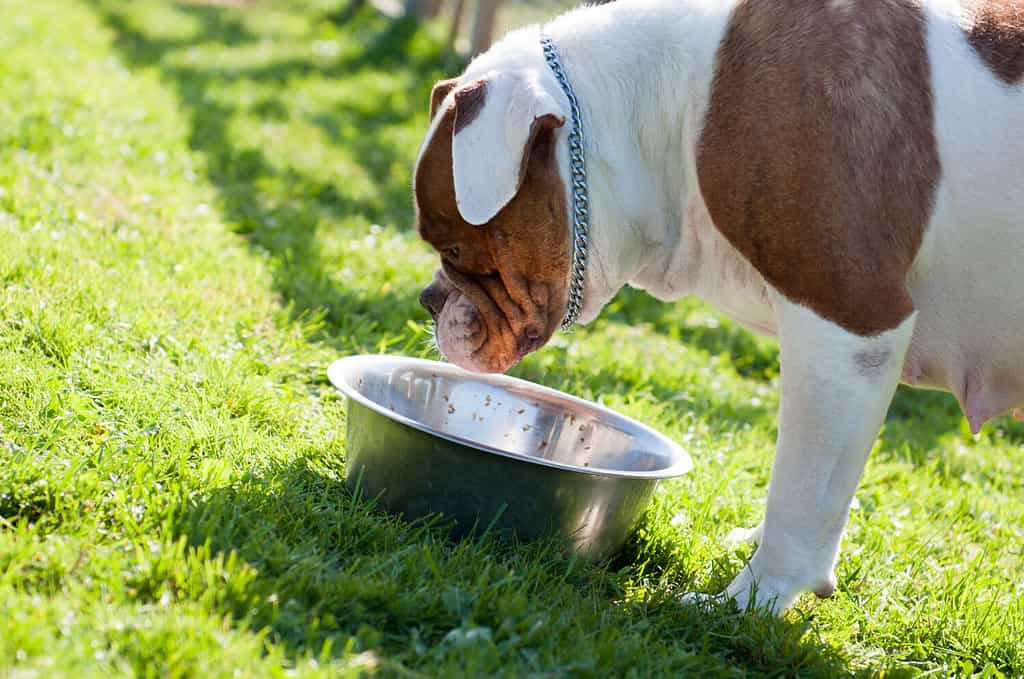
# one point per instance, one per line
(846, 175)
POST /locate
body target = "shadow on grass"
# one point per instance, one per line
(330, 569)
(721, 415)
(278, 206)
(750, 355)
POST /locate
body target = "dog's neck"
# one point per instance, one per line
(641, 72)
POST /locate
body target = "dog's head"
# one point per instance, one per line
(490, 199)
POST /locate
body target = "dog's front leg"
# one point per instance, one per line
(836, 389)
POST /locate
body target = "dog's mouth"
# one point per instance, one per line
(481, 329)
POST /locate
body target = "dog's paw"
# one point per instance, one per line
(767, 594)
(700, 600)
(745, 536)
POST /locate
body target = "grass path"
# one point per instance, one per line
(200, 208)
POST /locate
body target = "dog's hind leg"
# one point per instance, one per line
(836, 389)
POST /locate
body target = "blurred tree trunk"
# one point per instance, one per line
(456, 23)
(483, 26)
(426, 9)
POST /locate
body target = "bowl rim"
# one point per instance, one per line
(338, 371)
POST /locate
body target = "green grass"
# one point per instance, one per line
(200, 208)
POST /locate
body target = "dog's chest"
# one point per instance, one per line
(703, 263)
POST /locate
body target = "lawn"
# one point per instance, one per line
(201, 206)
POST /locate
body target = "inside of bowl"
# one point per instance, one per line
(511, 416)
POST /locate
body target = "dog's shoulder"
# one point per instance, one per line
(817, 158)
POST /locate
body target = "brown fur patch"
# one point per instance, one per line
(996, 32)
(439, 92)
(817, 159)
(469, 101)
(515, 268)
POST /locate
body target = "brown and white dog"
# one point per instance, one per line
(846, 175)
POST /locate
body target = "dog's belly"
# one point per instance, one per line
(968, 288)
(968, 279)
(969, 293)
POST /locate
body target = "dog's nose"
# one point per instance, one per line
(432, 299)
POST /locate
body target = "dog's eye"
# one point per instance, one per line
(451, 253)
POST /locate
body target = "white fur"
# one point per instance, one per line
(487, 154)
(645, 67)
(642, 70)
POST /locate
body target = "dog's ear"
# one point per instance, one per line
(440, 91)
(497, 121)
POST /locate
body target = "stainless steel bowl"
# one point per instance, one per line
(492, 452)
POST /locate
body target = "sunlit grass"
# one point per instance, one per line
(200, 208)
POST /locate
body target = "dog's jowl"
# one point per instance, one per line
(843, 175)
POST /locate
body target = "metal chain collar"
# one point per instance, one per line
(580, 201)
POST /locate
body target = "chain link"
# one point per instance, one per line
(580, 200)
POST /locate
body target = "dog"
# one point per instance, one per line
(845, 175)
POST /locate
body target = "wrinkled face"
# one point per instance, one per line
(501, 290)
